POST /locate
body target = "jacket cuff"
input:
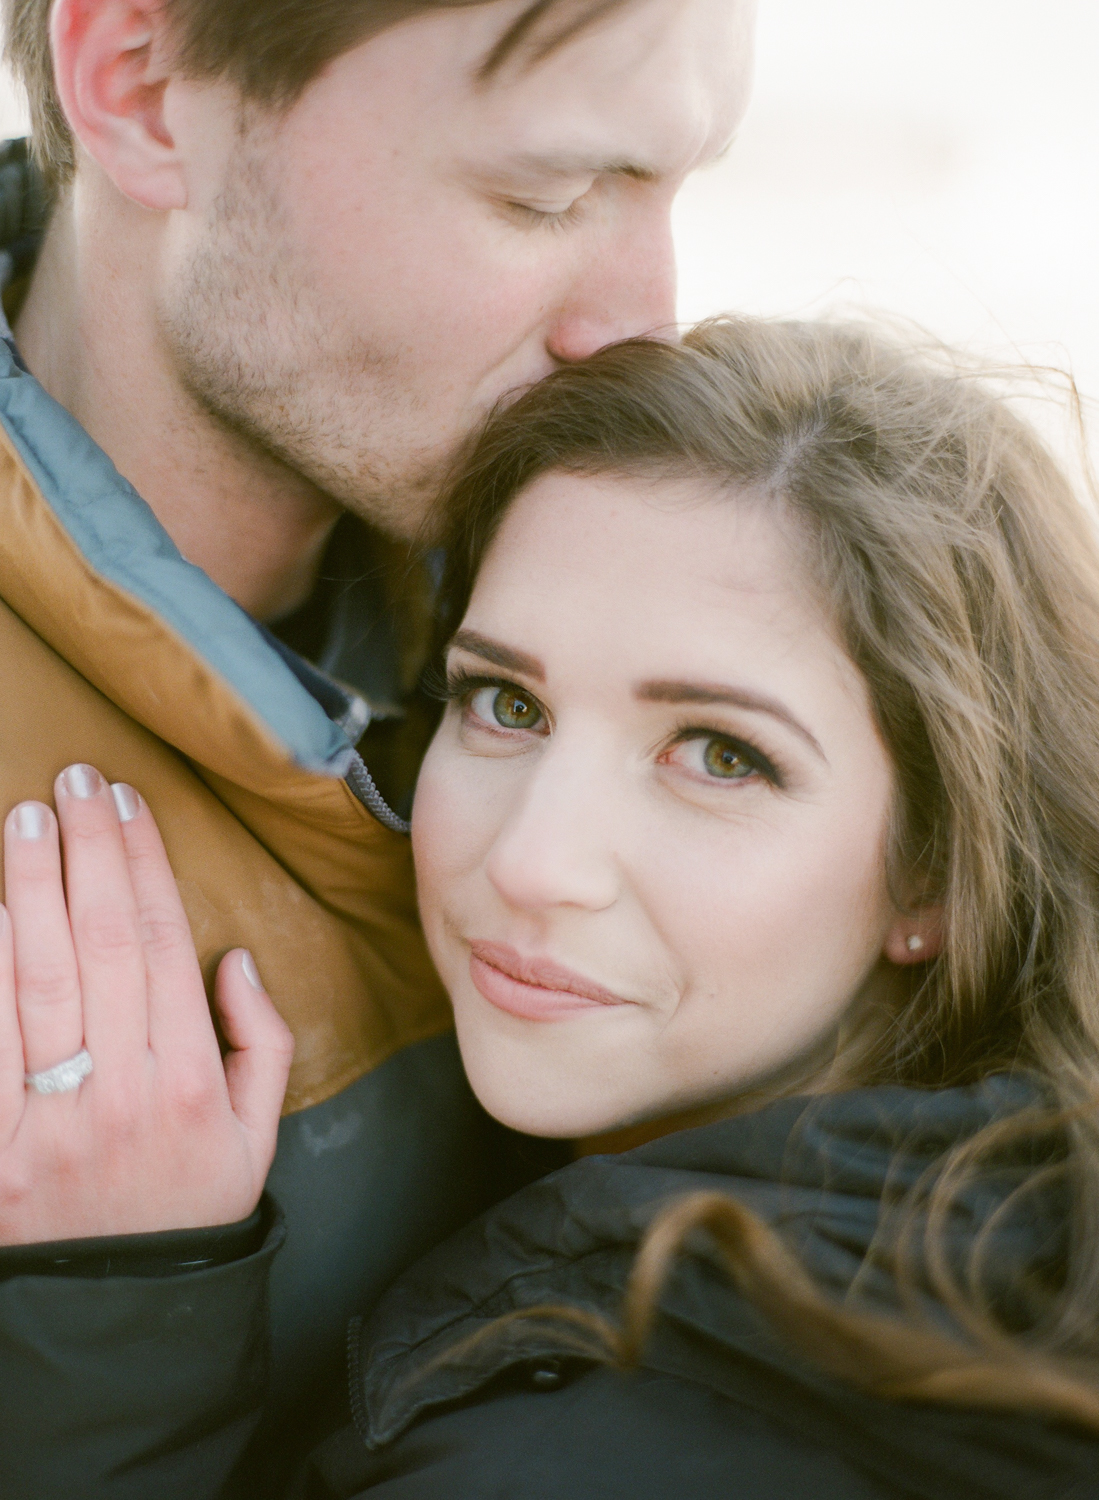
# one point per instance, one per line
(121, 1387)
(171, 1252)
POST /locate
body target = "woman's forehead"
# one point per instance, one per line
(647, 545)
(634, 578)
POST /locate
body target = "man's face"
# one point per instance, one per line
(357, 281)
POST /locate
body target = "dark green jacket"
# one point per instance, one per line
(720, 1411)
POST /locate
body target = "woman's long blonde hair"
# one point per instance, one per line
(964, 576)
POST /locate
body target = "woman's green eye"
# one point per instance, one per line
(724, 758)
(708, 757)
(508, 707)
(515, 710)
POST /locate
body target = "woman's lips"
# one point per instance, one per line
(537, 989)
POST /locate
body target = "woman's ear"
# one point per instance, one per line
(111, 63)
(915, 938)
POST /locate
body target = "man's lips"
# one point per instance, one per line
(537, 989)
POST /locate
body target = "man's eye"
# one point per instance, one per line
(508, 707)
(548, 218)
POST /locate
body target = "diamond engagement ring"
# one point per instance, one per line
(63, 1077)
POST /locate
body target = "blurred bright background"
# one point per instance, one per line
(937, 160)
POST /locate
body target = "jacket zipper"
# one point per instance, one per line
(361, 783)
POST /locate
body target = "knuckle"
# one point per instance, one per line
(120, 1118)
(193, 1093)
(59, 1159)
(164, 931)
(88, 823)
(46, 984)
(69, 1164)
(104, 933)
(38, 870)
(281, 1040)
(17, 1187)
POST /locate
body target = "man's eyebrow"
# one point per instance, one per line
(713, 692)
(498, 654)
(579, 164)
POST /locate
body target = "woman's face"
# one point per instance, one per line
(650, 832)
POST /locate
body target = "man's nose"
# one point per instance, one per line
(554, 848)
(624, 290)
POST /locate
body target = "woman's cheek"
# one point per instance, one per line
(452, 826)
(439, 809)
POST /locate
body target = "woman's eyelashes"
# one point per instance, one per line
(496, 705)
(506, 710)
(717, 758)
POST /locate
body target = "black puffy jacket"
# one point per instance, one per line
(721, 1410)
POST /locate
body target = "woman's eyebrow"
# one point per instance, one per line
(711, 692)
(498, 654)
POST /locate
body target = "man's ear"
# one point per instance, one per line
(915, 938)
(111, 63)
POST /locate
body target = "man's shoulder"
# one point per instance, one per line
(122, 653)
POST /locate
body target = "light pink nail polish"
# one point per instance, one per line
(251, 973)
(31, 820)
(126, 800)
(83, 782)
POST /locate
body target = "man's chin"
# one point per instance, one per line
(402, 500)
(409, 514)
(401, 496)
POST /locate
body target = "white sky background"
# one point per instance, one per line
(930, 158)
(935, 159)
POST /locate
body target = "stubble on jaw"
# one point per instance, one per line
(254, 346)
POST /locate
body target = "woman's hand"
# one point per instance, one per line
(164, 1133)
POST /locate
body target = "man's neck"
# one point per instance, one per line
(88, 330)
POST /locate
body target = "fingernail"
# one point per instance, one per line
(126, 800)
(82, 782)
(31, 820)
(251, 973)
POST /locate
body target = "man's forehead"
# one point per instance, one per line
(643, 96)
(543, 26)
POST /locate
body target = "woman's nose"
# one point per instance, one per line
(555, 848)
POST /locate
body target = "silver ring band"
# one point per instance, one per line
(63, 1077)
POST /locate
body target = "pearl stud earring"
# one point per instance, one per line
(913, 943)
